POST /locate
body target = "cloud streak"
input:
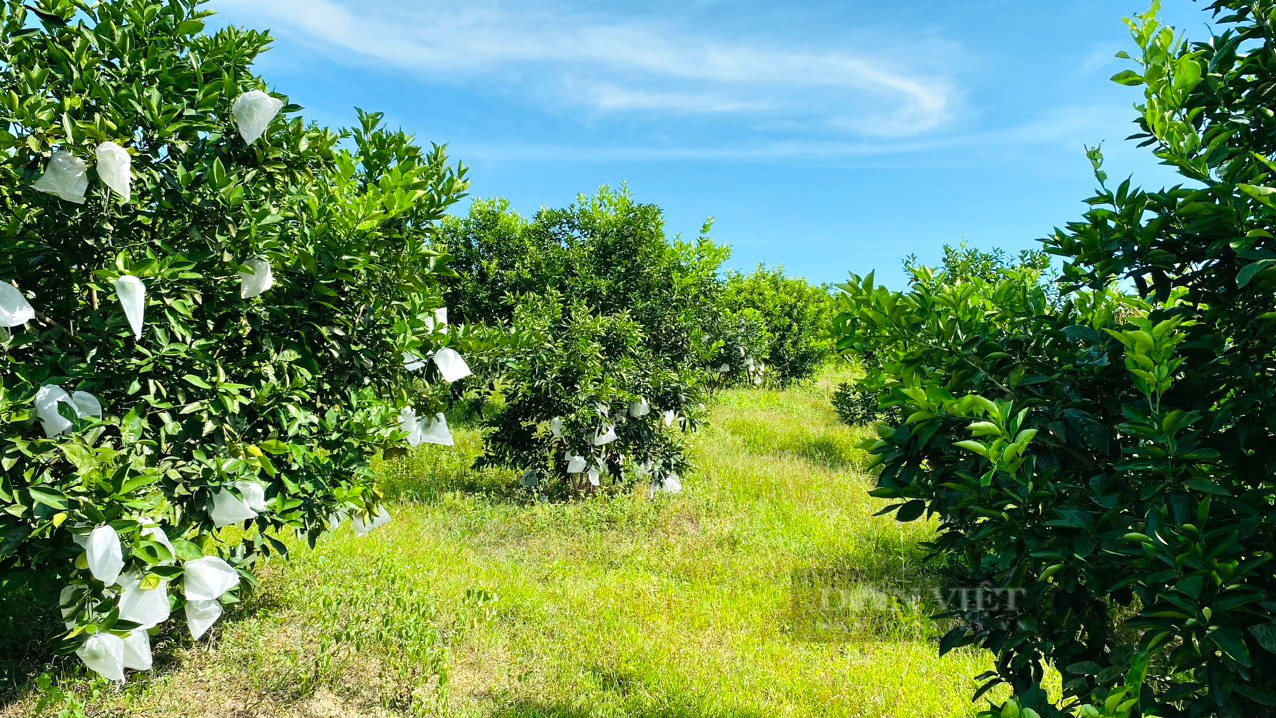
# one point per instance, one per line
(611, 64)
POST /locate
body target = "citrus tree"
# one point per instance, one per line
(795, 315)
(585, 403)
(207, 304)
(1104, 450)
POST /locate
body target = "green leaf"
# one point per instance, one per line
(910, 511)
(1265, 633)
(186, 550)
(1129, 78)
(49, 497)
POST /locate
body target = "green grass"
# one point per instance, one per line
(728, 600)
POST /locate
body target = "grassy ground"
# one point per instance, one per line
(760, 591)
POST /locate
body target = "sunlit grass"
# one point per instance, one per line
(478, 602)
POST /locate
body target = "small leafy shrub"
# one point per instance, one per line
(207, 309)
(795, 314)
(857, 407)
(585, 402)
(1110, 457)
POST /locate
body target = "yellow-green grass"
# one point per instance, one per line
(756, 592)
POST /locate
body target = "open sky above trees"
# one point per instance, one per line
(822, 135)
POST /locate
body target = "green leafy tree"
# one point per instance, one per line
(585, 310)
(795, 314)
(1110, 457)
(585, 404)
(208, 304)
(607, 251)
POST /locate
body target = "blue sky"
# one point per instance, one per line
(829, 136)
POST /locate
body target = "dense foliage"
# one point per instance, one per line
(856, 407)
(592, 308)
(794, 313)
(207, 322)
(608, 252)
(584, 402)
(1111, 458)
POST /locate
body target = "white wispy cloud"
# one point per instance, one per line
(1065, 129)
(616, 63)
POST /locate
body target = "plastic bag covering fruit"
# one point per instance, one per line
(451, 365)
(363, 528)
(208, 578)
(254, 110)
(556, 427)
(669, 417)
(408, 424)
(575, 464)
(114, 168)
(229, 509)
(137, 650)
(145, 607)
(438, 322)
(105, 556)
(46, 407)
(132, 295)
(104, 653)
(86, 405)
(671, 484)
(252, 494)
(594, 477)
(436, 431)
(413, 362)
(201, 615)
(639, 409)
(605, 437)
(15, 310)
(66, 177)
(257, 280)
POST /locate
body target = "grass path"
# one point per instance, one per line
(473, 603)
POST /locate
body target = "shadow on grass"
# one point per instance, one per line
(537, 709)
(881, 594)
(31, 630)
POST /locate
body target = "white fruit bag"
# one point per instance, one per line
(257, 280)
(229, 509)
(208, 578)
(132, 296)
(201, 615)
(103, 653)
(105, 556)
(66, 177)
(114, 168)
(436, 431)
(451, 365)
(46, 407)
(409, 424)
(252, 494)
(145, 607)
(15, 310)
(605, 437)
(639, 408)
(575, 464)
(254, 110)
(363, 528)
(137, 650)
